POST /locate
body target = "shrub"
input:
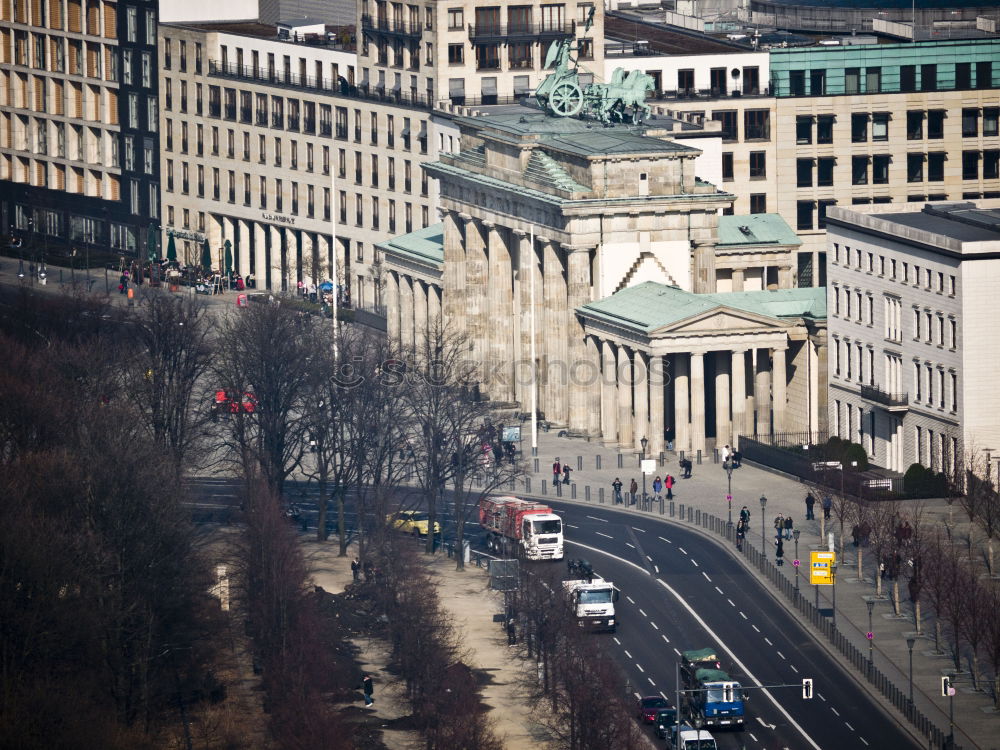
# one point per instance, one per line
(919, 481)
(855, 454)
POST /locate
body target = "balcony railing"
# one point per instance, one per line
(890, 400)
(481, 31)
(391, 26)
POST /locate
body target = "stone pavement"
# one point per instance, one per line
(977, 725)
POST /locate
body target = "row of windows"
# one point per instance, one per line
(962, 76)
(888, 267)
(874, 168)
(936, 451)
(50, 16)
(756, 124)
(182, 55)
(932, 385)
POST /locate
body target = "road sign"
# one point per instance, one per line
(821, 568)
(795, 563)
(649, 466)
(869, 635)
(729, 498)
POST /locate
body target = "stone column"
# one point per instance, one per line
(785, 277)
(499, 321)
(697, 401)
(277, 253)
(578, 294)
(406, 311)
(242, 258)
(292, 240)
(260, 255)
(640, 390)
(475, 287)
(419, 314)
(624, 374)
(307, 266)
(703, 277)
(723, 425)
(391, 306)
(552, 338)
(656, 365)
(593, 385)
(453, 280)
(609, 394)
(822, 393)
(516, 354)
(779, 380)
(682, 414)
(739, 398)
(815, 268)
(530, 274)
(762, 392)
(433, 309)
(738, 279)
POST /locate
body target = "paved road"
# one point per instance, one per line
(656, 565)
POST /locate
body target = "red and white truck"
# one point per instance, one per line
(527, 528)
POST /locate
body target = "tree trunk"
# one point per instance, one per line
(895, 597)
(861, 573)
(878, 581)
(937, 635)
(989, 555)
(321, 517)
(917, 625)
(342, 523)
(975, 670)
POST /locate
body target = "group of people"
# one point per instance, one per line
(560, 472)
(659, 485)
(827, 505)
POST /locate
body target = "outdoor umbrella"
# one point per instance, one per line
(206, 256)
(152, 242)
(326, 286)
(229, 258)
(171, 248)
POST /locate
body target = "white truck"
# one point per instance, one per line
(592, 598)
(691, 739)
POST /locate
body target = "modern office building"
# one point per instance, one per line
(79, 144)
(469, 52)
(842, 125)
(912, 309)
(648, 310)
(269, 144)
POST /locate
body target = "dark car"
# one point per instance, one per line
(648, 707)
(665, 718)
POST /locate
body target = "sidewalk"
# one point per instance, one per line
(977, 725)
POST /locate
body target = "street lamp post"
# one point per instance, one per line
(729, 490)
(644, 442)
(795, 536)
(909, 645)
(833, 581)
(871, 637)
(763, 534)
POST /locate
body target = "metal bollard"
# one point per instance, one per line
(663, 458)
(600, 495)
(579, 463)
(572, 491)
(715, 455)
(680, 454)
(699, 457)
(620, 465)
(661, 506)
(527, 485)
(536, 465)
(681, 511)
(597, 460)
(697, 516)
(671, 508)
(586, 493)
(545, 486)
(690, 514)
(512, 484)
(558, 489)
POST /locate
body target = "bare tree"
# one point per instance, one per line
(170, 338)
(981, 502)
(884, 518)
(973, 621)
(991, 642)
(262, 363)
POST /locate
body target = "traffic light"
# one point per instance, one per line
(727, 692)
(946, 687)
(807, 688)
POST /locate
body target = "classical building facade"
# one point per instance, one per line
(603, 246)
(79, 124)
(912, 301)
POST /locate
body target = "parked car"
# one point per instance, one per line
(414, 522)
(648, 707)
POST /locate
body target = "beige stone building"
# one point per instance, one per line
(603, 246)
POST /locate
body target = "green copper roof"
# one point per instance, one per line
(424, 246)
(650, 305)
(756, 229)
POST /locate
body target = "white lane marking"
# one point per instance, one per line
(665, 638)
(714, 636)
(664, 539)
(628, 654)
(780, 654)
(793, 668)
(695, 563)
(848, 725)
(630, 599)
(743, 615)
(676, 651)
(654, 625)
(649, 558)
(835, 711)
(730, 602)
(639, 667)
(627, 544)
(682, 550)
(765, 724)
(768, 641)
(636, 528)
(821, 697)
(607, 536)
(752, 736)
(657, 569)
(602, 520)
(755, 628)
(719, 590)
(863, 740)
(651, 681)
(642, 613)
(571, 526)
(637, 695)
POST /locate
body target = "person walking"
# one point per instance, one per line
(368, 686)
(741, 533)
(810, 502)
(779, 553)
(657, 488)
(556, 472)
(827, 506)
(686, 467)
(727, 453)
(616, 491)
(788, 528)
(669, 484)
(566, 471)
(356, 569)
(745, 515)
(633, 489)
(779, 526)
